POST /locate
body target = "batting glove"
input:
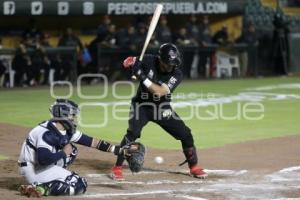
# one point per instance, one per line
(129, 62)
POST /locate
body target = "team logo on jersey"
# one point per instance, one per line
(172, 82)
(167, 113)
(150, 74)
(172, 54)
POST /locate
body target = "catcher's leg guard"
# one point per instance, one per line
(78, 185)
(57, 188)
(73, 185)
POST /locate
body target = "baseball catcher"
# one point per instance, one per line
(50, 148)
(159, 75)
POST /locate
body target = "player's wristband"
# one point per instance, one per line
(147, 83)
(112, 148)
(116, 150)
(104, 146)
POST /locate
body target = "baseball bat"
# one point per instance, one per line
(150, 32)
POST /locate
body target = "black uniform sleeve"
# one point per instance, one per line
(174, 80)
(148, 59)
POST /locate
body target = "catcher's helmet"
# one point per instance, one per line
(65, 111)
(169, 55)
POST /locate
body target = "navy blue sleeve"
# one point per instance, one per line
(46, 157)
(85, 140)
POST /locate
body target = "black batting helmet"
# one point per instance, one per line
(169, 55)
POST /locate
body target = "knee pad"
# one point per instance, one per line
(81, 186)
(72, 185)
(57, 188)
(78, 185)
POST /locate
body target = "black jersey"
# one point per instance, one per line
(150, 65)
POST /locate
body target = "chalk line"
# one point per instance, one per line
(156, 182)
(189, 197)
(150, 171)
(290, 169)
(151, 192)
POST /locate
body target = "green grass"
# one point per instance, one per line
(2, 157)
(27, 107)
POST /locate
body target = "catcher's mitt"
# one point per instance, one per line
(134, 155)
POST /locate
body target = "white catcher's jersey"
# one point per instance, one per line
(35, 137)
(33, 172)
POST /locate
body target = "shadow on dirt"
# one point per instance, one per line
(11, 183)
(111, 186)
(92, 164)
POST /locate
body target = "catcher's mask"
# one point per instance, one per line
(65, 112)
(169, 56)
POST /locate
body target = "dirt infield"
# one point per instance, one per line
(264, 169)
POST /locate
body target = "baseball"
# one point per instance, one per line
(158, 159)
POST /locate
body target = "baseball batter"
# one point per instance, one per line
(49, 149)
(159, 75)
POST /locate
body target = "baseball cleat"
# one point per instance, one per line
(117, 173)
(30, 191)
(197, 172)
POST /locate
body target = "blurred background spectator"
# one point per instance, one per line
(106, 38)
(127, 38)
(205, 33)
(221, 36)
(141, 34)
(32, 32)
(204, 40)
(110, 41)
(163, 32)
(69, 39)
(22, 64)
(250, 38)
(193, 29)
(182, 39)
(103, 28)
(280, 43)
